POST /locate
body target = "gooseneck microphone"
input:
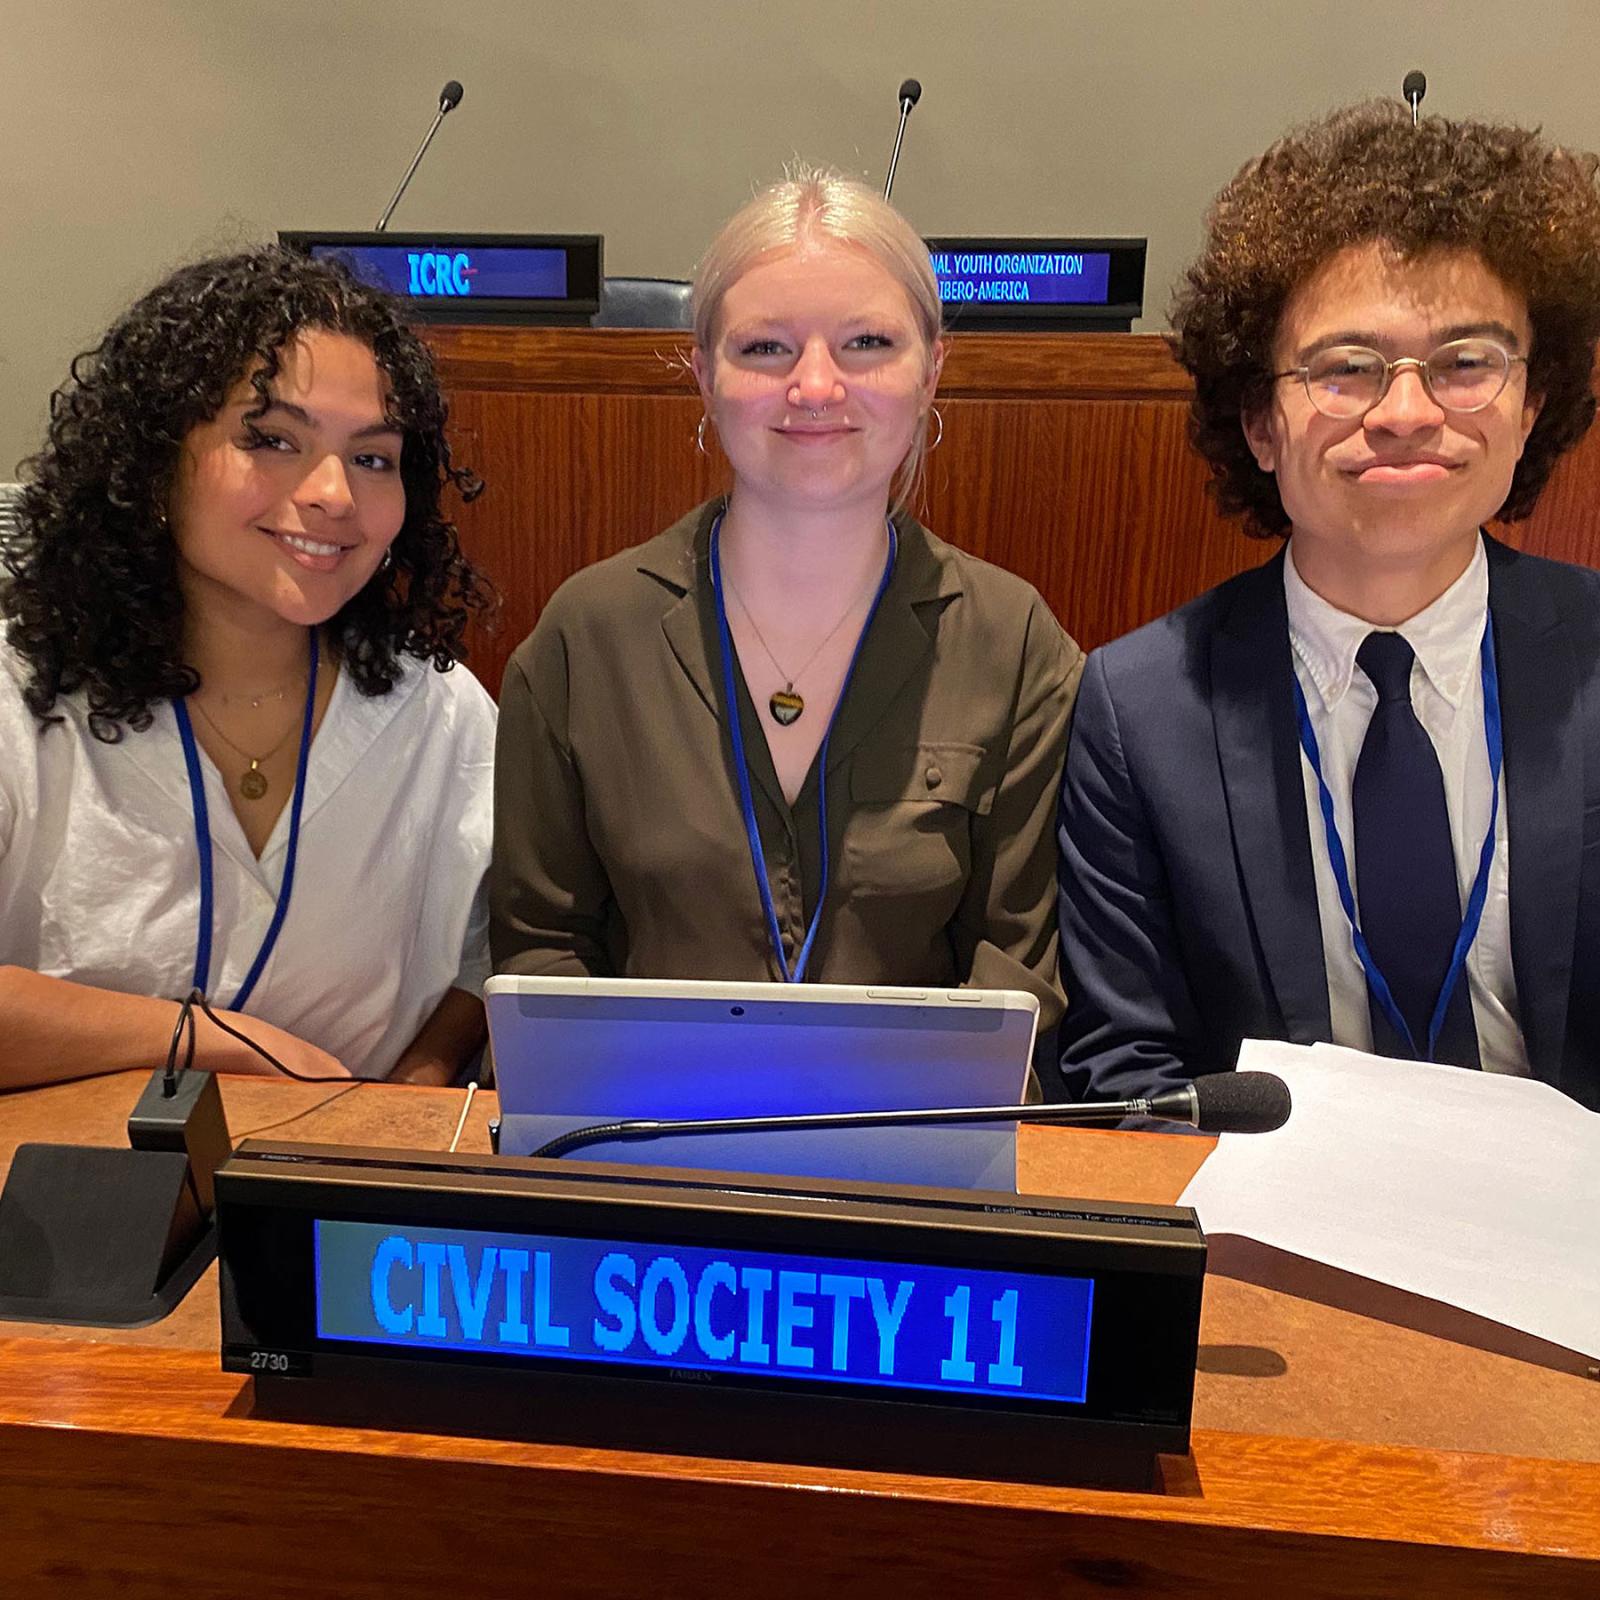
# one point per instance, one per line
(1221, 1102)
(910, 93)
(449, 99)
(1412, 90)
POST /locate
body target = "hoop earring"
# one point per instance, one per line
(700, 436)
(934, 412)
(387, 562)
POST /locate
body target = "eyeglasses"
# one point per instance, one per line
(1346, 381)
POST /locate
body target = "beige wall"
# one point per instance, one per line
(139, 132)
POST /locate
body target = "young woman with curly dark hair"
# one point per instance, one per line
(239, 753)
(1354, 795)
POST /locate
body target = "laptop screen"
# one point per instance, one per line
(572, 1052)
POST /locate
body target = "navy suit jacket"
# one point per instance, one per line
(1188, 903)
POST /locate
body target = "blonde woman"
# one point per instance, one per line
(795, 736)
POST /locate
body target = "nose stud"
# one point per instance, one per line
(797, 402)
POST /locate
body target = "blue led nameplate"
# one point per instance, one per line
(442, 271)
(756, 1313)
(1040, 277)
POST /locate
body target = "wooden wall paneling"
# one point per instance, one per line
(1065, 458)
(1566, 523)
(1101, 505)
(570, 479)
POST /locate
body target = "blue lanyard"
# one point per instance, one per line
(758, 857)
(202, 840)
(1480, 886)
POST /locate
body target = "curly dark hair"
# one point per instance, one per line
(93, 601)
(1529, 210)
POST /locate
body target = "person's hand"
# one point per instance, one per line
(220, 1052)
(427, 1070)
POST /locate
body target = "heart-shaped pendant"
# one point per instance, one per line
(785, 707)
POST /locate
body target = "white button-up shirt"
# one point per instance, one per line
(99, 868)
(1447, 696)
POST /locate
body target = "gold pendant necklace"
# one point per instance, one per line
(252, 781)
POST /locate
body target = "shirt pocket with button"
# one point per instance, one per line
(912, 809)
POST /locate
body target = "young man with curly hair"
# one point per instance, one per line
(232, 754)
(1354, 794)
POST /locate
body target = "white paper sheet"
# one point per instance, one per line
(1476, 1189)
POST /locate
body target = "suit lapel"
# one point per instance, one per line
(686, 638)
(675, 559)
(1252, 704)
(1544, 795)
(900, 639)
(678, 558)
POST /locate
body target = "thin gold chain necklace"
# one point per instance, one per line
(258, 700)
(787, 703)
(252, 781)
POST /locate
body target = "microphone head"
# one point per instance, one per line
(1241, 1102)
(1415, 86)
(450, 96)
(910, 93)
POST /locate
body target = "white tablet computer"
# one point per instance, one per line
(572, 1051)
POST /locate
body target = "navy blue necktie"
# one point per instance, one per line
(1408, 899)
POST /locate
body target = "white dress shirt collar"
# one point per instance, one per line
(351, 725)
(100, 874)
(1445, 635)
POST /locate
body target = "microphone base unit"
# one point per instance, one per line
(99, 1238)
(958, 1333)
(189, 1120)
(113, 1238)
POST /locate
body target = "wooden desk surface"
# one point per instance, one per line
(1332, 1455)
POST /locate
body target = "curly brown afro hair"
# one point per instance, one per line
(92, 602)
(1530, 211)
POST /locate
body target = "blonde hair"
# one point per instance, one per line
(820, 203)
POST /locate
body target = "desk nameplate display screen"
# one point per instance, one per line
(593, 1303)
(1062, 284)
(761, 1313)
(473, 277)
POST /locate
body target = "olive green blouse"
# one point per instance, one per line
(620, 847)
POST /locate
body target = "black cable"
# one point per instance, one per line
(169, 1076)
(198, 999)
(310, 1111)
